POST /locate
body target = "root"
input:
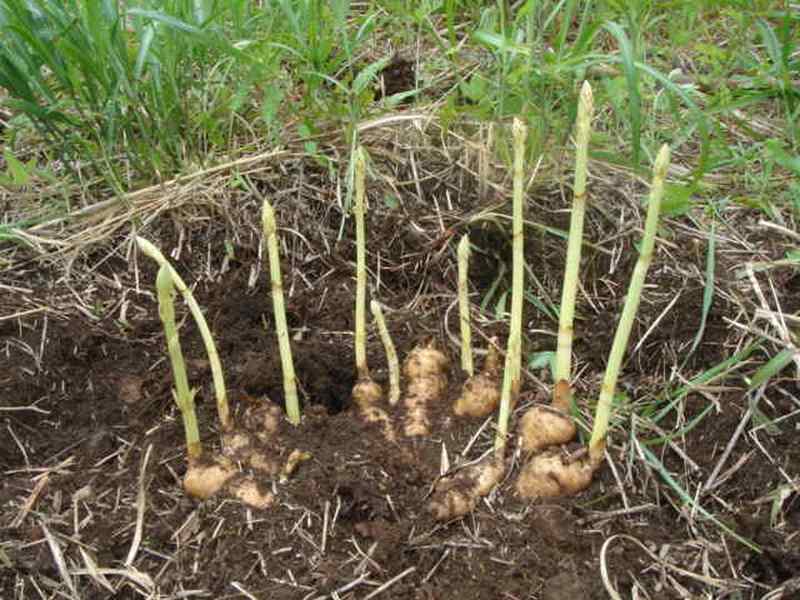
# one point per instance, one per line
(481, 393)
(552, 474)
(459, 494)
(425, 370)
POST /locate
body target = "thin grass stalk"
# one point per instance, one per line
(208, 340)
(184, 396)
(484, 157)
(463, 306)
(270, 229)
(569, 288)
(392, 361)
(359, 209)
(620, 344)
(513, 366)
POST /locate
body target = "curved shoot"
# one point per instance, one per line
(208, 340)
(391, 353)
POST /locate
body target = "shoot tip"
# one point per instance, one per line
(662, 162)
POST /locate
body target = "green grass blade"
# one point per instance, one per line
(168, 20)
(628, 60)
(772, 367)
(708, 290)
(699, 118)
(688, 499)
(712, 374)
(144, 49)
(368, 74)
(679, 433)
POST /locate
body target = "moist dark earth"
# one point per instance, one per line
(85, 391)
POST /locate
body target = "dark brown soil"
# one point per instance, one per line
(84, 398)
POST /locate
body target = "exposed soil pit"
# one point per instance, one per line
(86, 400)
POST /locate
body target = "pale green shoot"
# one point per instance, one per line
(184, 396)
(270, 229)
(208, 340)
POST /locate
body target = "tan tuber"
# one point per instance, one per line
(249, 491)
(552, 473)
(425, 370)
(207, 476)
(252, 444)
(367, 395)
(481, 393)
(545, 426)
(543, 430)
(458, 495)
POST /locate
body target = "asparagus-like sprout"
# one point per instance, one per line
(361, 267)
(279, 310)
(570, 283)
(513, 366)
(208, 340)
(463, 306)
(391, 354)
(184, 397)
(618, 347)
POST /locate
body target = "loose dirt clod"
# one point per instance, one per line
(425, 370)
(481, 393)
(458, 495)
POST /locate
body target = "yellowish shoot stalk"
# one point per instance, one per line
(513, 366)
(184, 397)
(570, 284)
(208, 340)
(463, 306)
(618, 347)
(279, 311)
(391, 353)
(361, 267)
